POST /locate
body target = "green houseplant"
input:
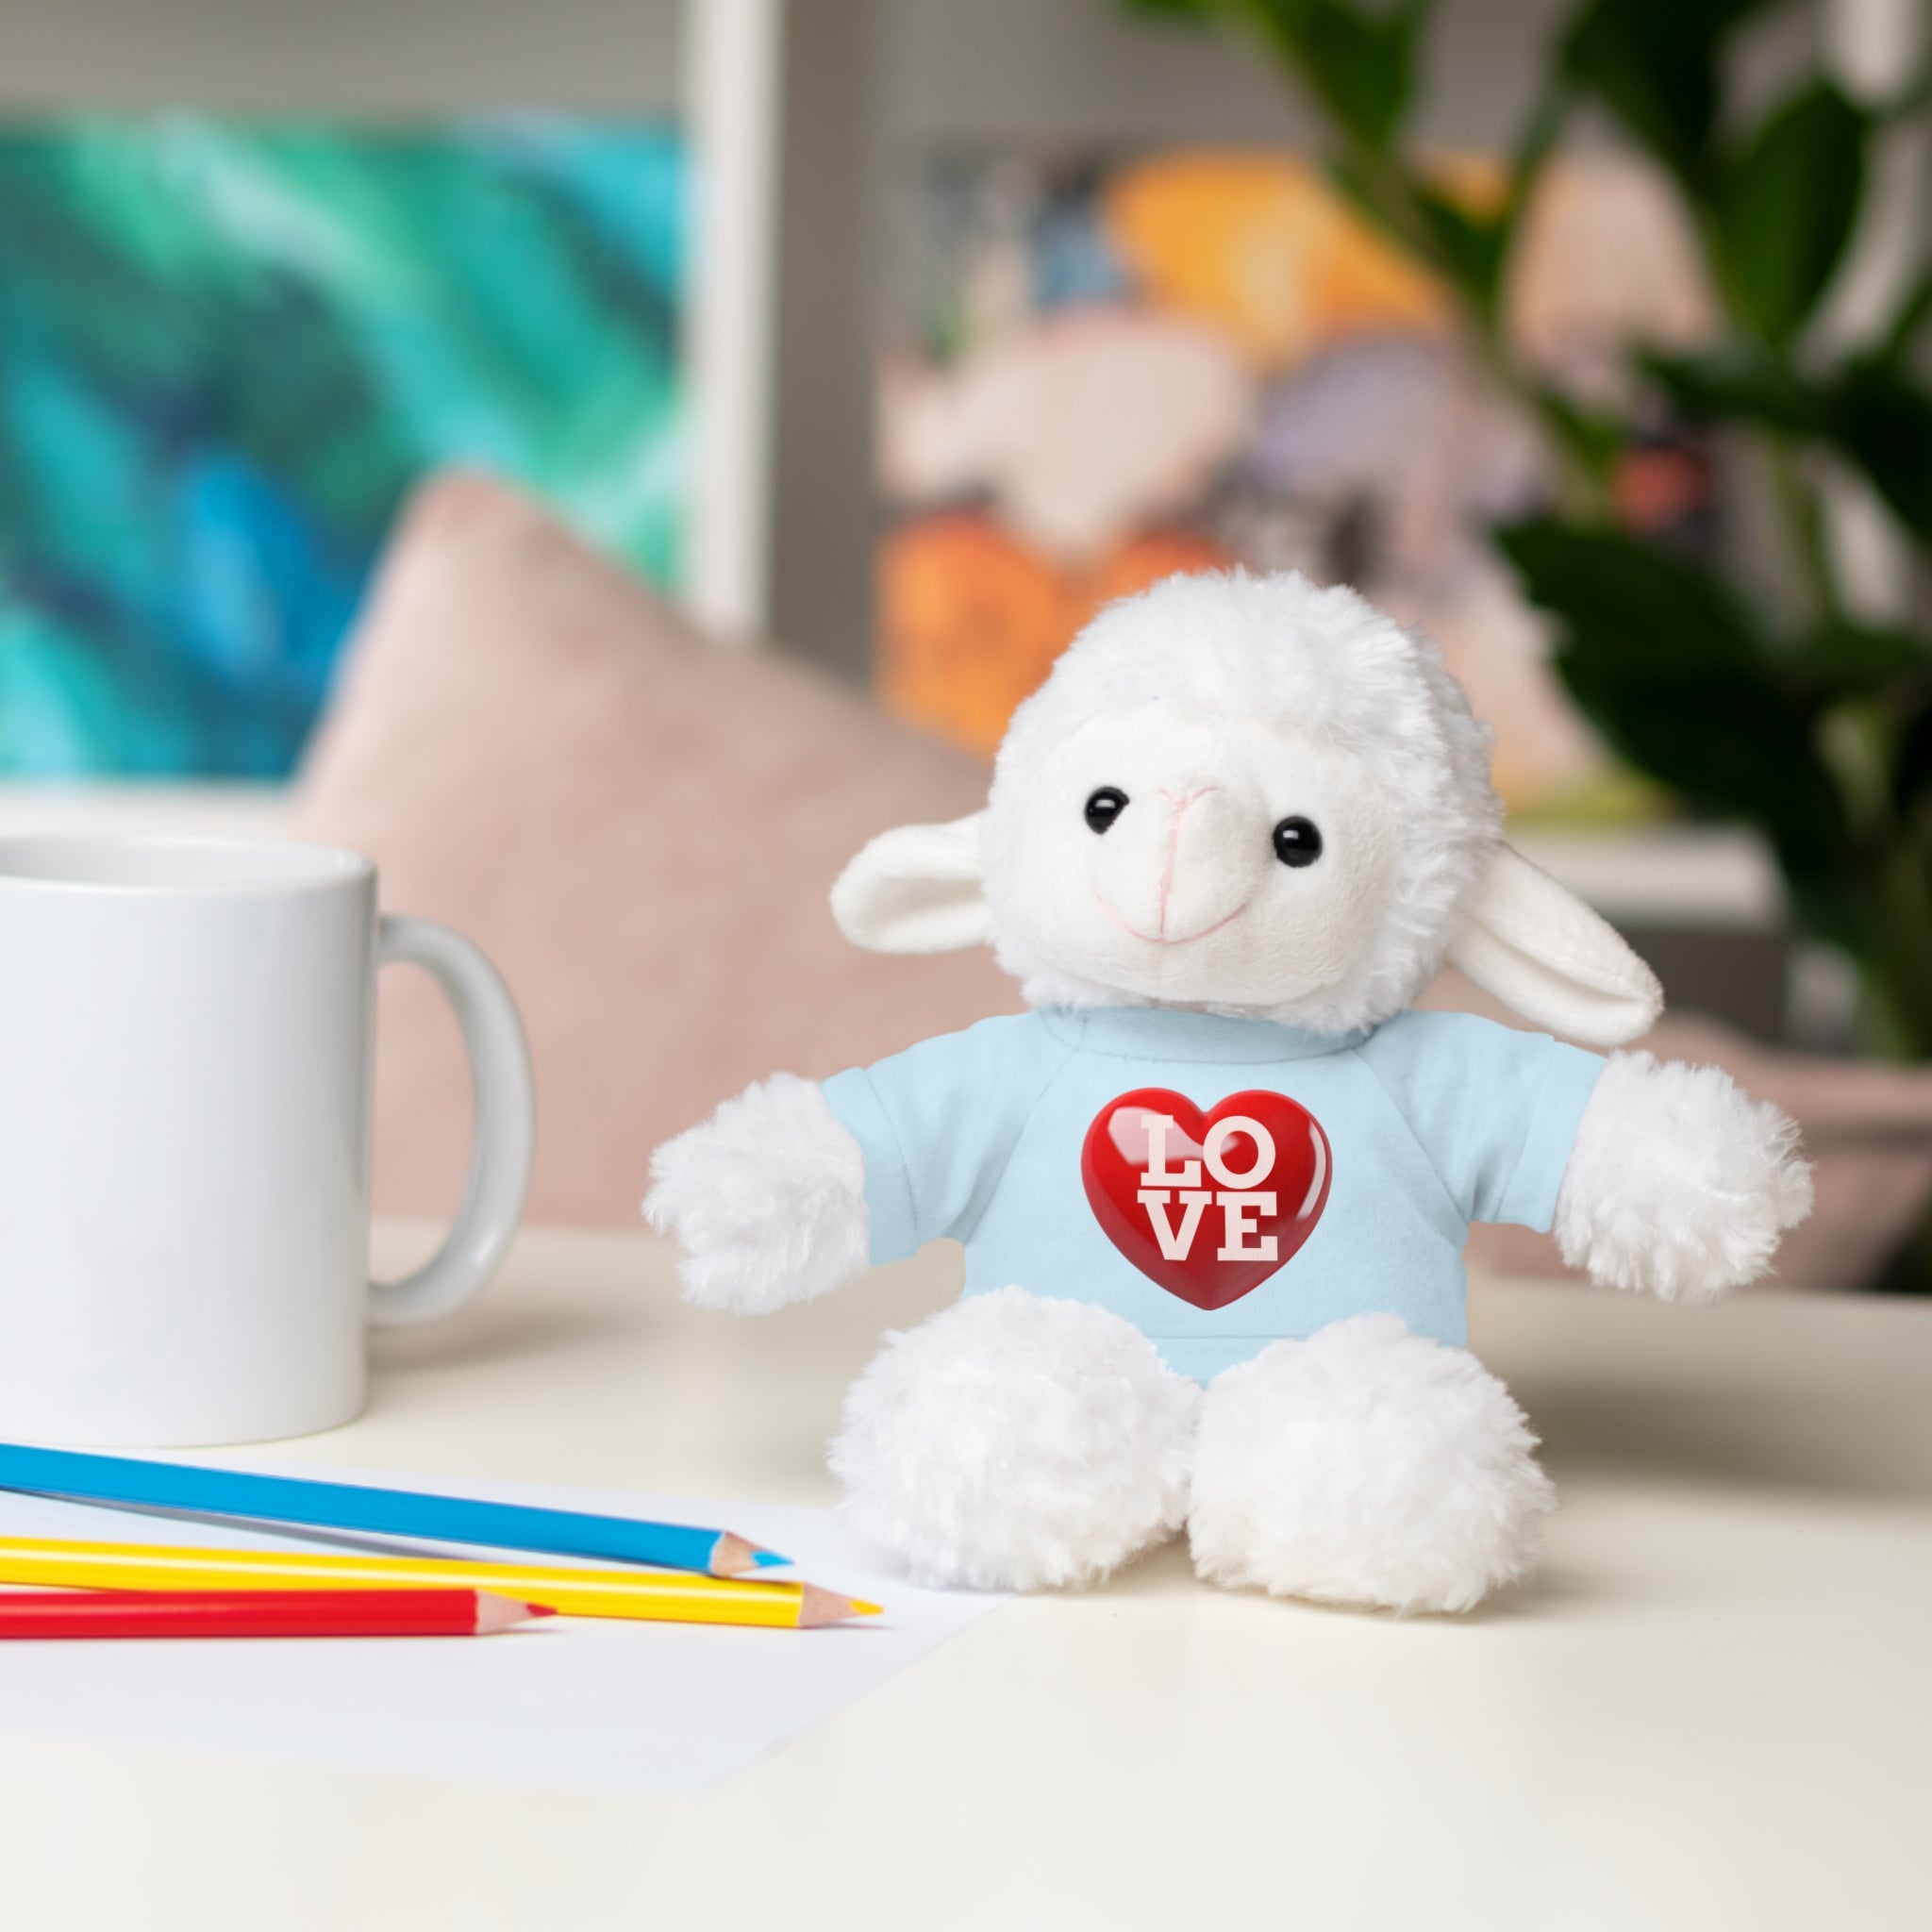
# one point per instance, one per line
(1784, 709)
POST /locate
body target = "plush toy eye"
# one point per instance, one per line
(1296, 842)
(1106, 806)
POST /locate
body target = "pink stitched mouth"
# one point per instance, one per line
(1156, 939)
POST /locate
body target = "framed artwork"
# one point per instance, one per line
(1100, 368)
(232, 346)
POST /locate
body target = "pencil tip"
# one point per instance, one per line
(816, 1606)
(731, 1555)
(495, 1613)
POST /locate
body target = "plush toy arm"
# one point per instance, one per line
(1679, 1182)
(767, 1197)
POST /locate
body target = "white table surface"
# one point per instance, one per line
(1713, 1709)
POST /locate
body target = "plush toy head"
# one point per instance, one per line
(1252, 796)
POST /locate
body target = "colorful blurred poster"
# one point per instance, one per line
(228, 349)
(1101, 370)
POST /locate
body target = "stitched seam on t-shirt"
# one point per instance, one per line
(966, 1233)
(885, 1113)
(1146, 1052)
(1369, 1066)
(1530, 1124)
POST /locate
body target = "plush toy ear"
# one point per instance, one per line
(1542, 952)
(916, 890)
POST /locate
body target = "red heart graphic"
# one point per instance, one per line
(1174, 1188)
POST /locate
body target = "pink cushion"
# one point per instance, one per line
(640, 829)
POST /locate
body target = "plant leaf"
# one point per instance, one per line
(1741, 382)
(1840, 660)
(1724, 743)
(1786, 207)
(1643, 604)
(1882, 418)
(1471, 248)
(1654, 63)
(1360, 64)
(1876, 413)
(1674, 671)
(1912, 316)
(1911, 778)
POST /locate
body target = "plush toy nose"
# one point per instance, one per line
(1188, 864)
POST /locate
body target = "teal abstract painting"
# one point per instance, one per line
(228, 349)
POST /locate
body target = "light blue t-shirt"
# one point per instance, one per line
(1385, 1145)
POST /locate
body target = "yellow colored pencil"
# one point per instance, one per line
(653, 1595)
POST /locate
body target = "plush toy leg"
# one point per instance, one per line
(1017, 1443)
(1365, 1465)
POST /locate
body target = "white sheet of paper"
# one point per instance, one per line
(589, 1704)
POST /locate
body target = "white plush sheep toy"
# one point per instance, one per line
(1214, 1187)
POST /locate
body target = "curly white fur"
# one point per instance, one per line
(1277, 646)
(1017, 1443)
(1679, 1182)
(1366, 1465)
(767, 1198)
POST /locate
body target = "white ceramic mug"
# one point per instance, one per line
(187, 1043)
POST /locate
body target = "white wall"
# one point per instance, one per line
(1084, 71)
(376, 54)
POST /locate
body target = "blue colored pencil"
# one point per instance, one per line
(280, 1499)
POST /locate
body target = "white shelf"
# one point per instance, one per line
(243, 811)
(1706, 878)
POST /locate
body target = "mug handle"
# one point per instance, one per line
(502, 1138)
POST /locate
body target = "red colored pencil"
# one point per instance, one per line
(260, 1614)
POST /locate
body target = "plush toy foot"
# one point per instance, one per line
(1016, 1444)
(1365, 1465)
